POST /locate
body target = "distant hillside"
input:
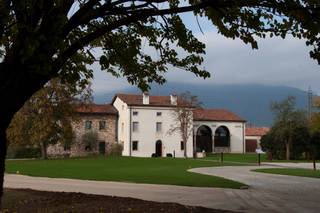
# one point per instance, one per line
(251, 102)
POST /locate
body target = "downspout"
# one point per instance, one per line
(130, 128)
(243, 138)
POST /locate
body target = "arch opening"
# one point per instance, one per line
(222, 137)
(204, 139)
(158, 148)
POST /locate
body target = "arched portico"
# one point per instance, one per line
(222, 137)
(204, 139)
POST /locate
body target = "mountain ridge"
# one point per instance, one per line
(250, 101)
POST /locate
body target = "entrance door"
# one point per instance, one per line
(158, 148)
(251, 145)
(102, 147)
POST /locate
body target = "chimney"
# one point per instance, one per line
(145, 98)
(174, 99)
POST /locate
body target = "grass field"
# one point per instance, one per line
(125, 169)
(247, 158)
(292, 172)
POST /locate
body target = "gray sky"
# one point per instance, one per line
(276, 62)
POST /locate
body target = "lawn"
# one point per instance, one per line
(292, 172)
(124, 169)
(247, 158)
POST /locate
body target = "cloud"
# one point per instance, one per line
(276, 62)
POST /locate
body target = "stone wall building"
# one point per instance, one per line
(96, 119)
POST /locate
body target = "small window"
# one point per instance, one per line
(66, 147)
(134, 113)
(135, 126)
(181, 145)
(122, 127)
(102, 125)
(159, 126)
(88, 125)
(134, 145)
(159, 113)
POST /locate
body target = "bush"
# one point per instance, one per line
(25, 152)
(169, 155)
(116, 149)
(153, 155)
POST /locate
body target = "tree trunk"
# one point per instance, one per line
(17, 85)
(185, 148)
(287, 151)
(3, 153)
(44, 150)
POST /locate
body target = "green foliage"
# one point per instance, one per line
(90, 140)
(46, 118)
(24, 152)
(63, 37)
(289, 136)
(116, 149)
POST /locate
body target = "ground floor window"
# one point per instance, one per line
(134, 145)
(181, 145)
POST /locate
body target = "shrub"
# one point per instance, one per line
(27, 152)
(116, 149)
(169, 155)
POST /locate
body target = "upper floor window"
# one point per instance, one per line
(102, 125)
(159, 126)
(134, 113)
(88, 125)
(159, 113)
(135, 126)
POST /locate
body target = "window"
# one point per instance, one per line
(135, 126)
(122, 127)
(181, 145)
(134, 113)
(159, 127)
(66, 147)
(159, 113)
(134, 145)
(88, 125)
(102, 125)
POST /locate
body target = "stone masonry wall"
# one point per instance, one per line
(107, 135)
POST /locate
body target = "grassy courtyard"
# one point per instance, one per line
(125, 169)
(292, 172)
(248, 158)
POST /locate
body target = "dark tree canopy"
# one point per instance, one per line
(44, 39)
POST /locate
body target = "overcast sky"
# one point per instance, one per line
(276, 62)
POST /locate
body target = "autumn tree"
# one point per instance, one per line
(41, 40)
(182, 116)
(46, 117)
(290, 126)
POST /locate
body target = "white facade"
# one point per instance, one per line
(139, 134)
(146, 134)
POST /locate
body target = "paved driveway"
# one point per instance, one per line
(267, 192)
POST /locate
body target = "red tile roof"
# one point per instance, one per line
(97, 109)
(136, 100)
(215, 115)
(257, 131)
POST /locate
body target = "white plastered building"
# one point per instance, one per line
(144, 122)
